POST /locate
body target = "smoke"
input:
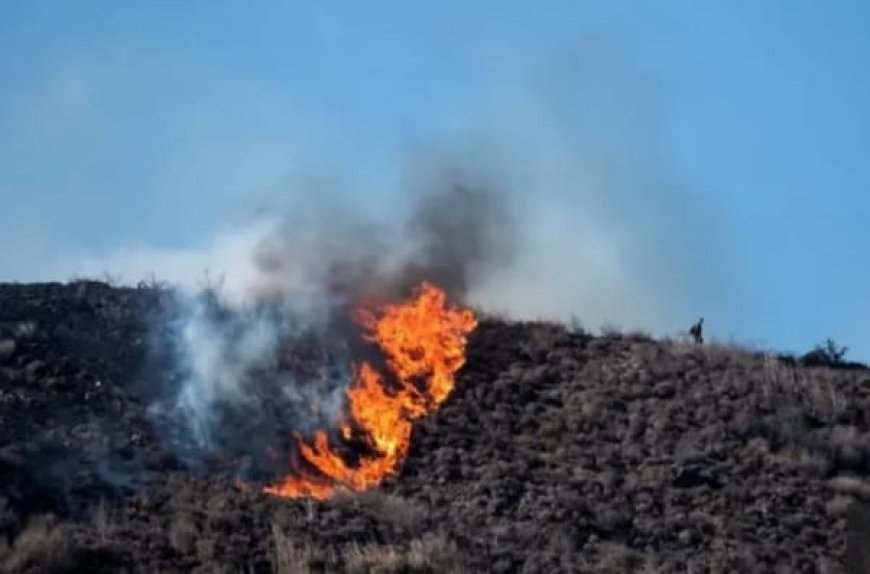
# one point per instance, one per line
(553, 204)
(266, 349)
(609, 230)
(458, 228)
(270, 352)
(462, 230)
(217, 355)
(576, 207)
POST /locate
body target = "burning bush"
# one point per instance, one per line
(423, 341)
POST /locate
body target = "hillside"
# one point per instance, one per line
(557, 451)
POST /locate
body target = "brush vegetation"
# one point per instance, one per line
(559, 451)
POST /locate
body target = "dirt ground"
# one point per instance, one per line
(557, 452)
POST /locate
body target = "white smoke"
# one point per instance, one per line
(588, 223)
(217, 360)
(225, 260)
(288, 286)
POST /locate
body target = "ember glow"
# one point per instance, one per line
(423, 341)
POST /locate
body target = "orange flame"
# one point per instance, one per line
(423, 341)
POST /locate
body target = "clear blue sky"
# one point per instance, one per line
(159, 122)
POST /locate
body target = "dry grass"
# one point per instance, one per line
(717, 354)
(850, 486)
(183, 533)
(44, 546)
(291, 556)
(102, 521)
(814, 390)
(549, 437)
(429, 553)
(387, 508)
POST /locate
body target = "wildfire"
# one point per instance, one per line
(423, 341)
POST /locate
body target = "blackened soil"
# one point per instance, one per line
(556, 452)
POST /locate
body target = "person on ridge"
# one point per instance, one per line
(697, 331)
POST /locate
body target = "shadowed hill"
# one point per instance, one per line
(557, 451)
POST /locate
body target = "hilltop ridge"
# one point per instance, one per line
(557, 451)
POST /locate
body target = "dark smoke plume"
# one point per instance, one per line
(462, 229)
(277, 358)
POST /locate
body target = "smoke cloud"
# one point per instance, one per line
(266, 350)
(555, 202)
(270, 352)
(589, 219)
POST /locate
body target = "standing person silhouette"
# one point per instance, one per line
(697, 331)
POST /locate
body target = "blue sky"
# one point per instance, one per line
(708, 158)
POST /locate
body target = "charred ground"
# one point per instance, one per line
(558, 451)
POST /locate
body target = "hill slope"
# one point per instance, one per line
(556, 452)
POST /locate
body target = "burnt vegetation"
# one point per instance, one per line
(558, 451)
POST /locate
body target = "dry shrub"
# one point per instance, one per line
(44, 546)
(850, 486)
(431, 553)
(811, 463)
(374, 558)
(291, 556)
(541, 338)
(616, 557)
(103, 522)
(391, 509)
(639, 336)
(848, 449)
(824, 400)
(610, 331)
(839, 506)
(183, 533)
(826, 565)
(717, 354)
(814, 390)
